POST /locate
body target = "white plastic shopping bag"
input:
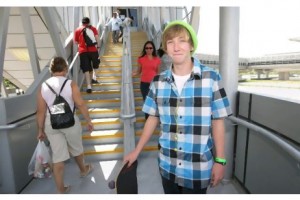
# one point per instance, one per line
(40, 163)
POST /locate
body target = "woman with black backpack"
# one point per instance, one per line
(65, 138)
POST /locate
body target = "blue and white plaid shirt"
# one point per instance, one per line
(186, 141)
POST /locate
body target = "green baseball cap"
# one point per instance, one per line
(189, 28)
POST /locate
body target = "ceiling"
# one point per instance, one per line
(17, 65)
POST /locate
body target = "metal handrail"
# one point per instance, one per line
(18, 124)
(127, 106)
(72, 64)
(292, 151)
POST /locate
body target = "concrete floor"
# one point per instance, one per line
(97, 182)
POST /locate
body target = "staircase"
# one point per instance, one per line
(104, 104)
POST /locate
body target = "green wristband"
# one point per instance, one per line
(221, 161)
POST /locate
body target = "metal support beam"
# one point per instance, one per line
(140, 19)
(4, 18)
(172, 13)
(6, 183)
(94, 16)
(75, 47)
(27, 25)
(54, 31)
(229, 65)
(195, 18)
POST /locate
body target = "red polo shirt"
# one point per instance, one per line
(149, 68)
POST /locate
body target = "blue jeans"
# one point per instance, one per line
(145, 87)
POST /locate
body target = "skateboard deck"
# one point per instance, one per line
(126, 181)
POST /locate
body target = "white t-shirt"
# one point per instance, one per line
(180, 81)
(115, 23)
(56, 82)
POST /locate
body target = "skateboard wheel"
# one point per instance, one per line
(111, 184)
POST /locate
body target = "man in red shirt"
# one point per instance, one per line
(89, 56)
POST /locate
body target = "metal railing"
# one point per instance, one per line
(18, 124)
(127, 106)
(291, 150)
(128, 114)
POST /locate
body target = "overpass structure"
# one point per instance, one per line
(282, 64)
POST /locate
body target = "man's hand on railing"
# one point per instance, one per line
(135, 73)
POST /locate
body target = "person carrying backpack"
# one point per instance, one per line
(87, 38)
(65, 140)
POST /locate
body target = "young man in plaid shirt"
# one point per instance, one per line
(190, 103)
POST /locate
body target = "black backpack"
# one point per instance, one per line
(89, 36)
(61, 115)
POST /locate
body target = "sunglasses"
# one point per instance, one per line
(148, 48)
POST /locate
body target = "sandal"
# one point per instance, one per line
(89, 170)
(67, 189)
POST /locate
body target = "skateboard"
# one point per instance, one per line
(126, 181)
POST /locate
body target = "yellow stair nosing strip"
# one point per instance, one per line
(106, 84)
(108, 77)
(118, 121)
(89, 137)
(110, 61)
(150, 148)
(106, 92)
(101, 92)
(139, 132)
(118, 150)
(108, 71)
(108, 100)
(110, 56)
(107, 66)
(117, 135)
(109, 110)
(103, 100)
(100, 111)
